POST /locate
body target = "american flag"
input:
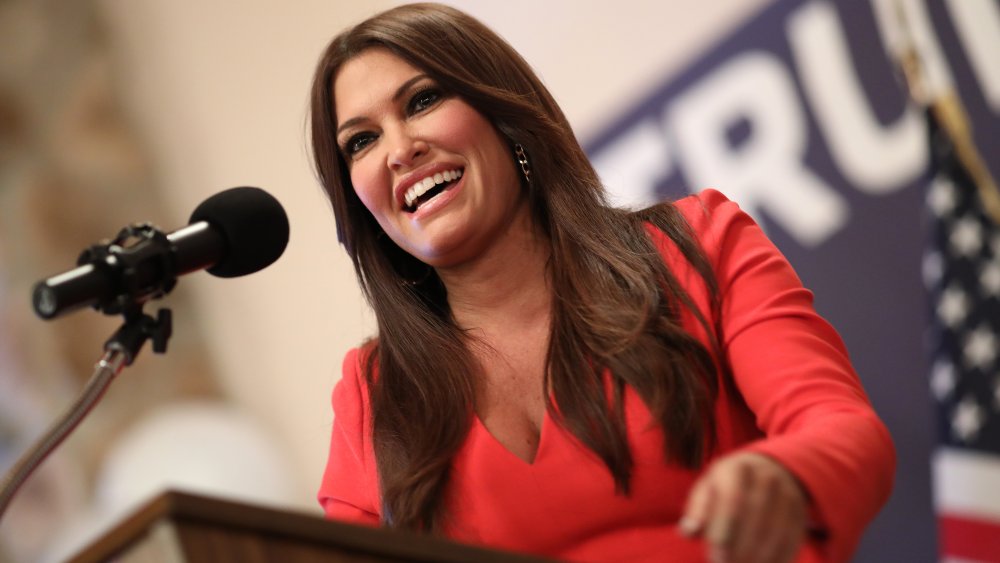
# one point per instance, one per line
(962, 275)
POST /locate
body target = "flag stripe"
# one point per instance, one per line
(970, 538)
(967, 483)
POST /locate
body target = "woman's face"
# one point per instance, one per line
(433, 172)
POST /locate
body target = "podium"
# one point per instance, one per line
(179, 527)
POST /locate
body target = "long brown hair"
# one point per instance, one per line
(616, 307)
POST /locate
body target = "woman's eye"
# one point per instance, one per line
(357, 143)
(423, 100)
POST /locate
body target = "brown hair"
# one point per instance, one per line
(616, 307)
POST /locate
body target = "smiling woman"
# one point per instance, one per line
(553, 375)
(401, 136)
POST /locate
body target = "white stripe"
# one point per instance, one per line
(967, 483)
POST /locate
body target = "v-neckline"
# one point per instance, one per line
(542, 433)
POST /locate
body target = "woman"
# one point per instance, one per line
(552, 375)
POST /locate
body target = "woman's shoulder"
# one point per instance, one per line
(350, 394)
(706, 215)
(707, 210)
(357, 364)
(361, 352)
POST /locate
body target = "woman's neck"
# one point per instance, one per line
(506, 287)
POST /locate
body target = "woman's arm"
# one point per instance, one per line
(823, 439)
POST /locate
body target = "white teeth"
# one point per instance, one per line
(420, 187)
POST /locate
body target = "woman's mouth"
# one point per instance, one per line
(426, 189)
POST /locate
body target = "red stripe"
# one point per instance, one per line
(970, 538)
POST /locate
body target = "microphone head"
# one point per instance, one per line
(254, 225)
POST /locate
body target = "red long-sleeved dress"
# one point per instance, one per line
(797, 400)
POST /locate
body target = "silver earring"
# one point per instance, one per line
(522, 159)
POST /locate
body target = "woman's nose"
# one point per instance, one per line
(406, 149)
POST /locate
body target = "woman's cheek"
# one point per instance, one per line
(363, 186)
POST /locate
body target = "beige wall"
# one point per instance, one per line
(219, 89)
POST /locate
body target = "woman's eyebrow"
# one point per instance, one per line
(395, 98)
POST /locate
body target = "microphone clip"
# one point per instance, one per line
(139, 327)
(141, 260)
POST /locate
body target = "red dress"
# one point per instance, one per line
(799, 401)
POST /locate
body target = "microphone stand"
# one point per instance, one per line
(119, 351)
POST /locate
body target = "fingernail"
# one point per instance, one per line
(717, 555)
(688, 526)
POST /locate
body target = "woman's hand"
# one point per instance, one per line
(749, 509)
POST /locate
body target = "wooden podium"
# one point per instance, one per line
(184, 528)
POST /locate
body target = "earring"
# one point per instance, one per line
(522, 159)
(413, 282)
(410, 271)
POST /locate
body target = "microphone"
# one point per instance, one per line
(232, 233)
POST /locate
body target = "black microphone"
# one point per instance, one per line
(233, 233)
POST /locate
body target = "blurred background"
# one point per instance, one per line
(114, 111)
